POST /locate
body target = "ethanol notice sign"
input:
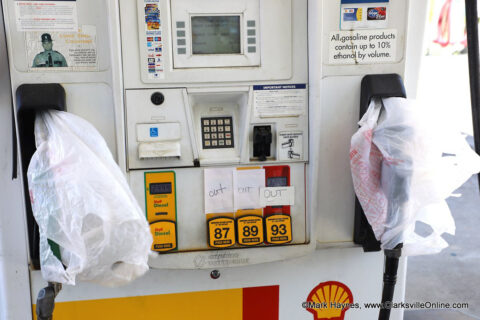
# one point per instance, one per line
(362, 46)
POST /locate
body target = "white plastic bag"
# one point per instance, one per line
(82, 202)
(405, 163)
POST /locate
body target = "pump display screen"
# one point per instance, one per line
(161, 188)
(276, 182)
(216, 35)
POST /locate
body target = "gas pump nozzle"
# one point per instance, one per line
(396, 181)
(46, 301)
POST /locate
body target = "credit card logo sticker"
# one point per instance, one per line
(378, 13)
(352, 14)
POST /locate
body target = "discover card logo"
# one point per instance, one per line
(378, 13)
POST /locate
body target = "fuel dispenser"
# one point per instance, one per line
(231, 121)
(191, 139)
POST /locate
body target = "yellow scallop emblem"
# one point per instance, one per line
(329, 301)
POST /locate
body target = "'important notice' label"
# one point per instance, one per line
(362, 46)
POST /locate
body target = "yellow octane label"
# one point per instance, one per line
(164, 236)
(221, 232)
(250, 230)
(278, 229)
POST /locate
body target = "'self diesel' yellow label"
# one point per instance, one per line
(250, 230)
(278, 229)
(221, 232)
(164, 236)
(161, 207)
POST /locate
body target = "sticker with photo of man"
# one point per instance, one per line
(59, 51)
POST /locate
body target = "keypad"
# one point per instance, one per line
(217, 133)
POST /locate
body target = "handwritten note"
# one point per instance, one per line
(277, 196)
(218, 190)
(247, 185)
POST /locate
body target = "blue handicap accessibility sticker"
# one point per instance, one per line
(153, 132)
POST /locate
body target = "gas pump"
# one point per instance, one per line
(231, 121)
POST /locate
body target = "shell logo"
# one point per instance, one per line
(329, 301)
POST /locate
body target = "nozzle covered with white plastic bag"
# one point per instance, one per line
(404, 164)
(91, 227)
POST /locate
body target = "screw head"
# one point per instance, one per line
(215, 274)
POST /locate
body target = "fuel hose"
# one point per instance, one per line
(398, 193)
(473, 68)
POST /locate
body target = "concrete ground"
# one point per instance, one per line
(454, 274)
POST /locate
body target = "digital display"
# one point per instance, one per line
(277, 182)
(161, 188)
(216, 35)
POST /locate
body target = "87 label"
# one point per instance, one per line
(278, 229)
(221, 232)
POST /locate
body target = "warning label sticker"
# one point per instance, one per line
(362, 46)
(285, 100)
(46, 15)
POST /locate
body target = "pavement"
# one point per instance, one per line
(454, 274)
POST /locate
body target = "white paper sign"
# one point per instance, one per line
(277, 196)
(247, 188)
(218, 190)
(46, 15)
(362, 46)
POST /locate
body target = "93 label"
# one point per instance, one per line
(278, 229)
(221, 232)
(250, 230)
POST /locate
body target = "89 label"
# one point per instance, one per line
(250, 230)
(278, 229)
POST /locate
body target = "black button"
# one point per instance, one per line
(157, 98)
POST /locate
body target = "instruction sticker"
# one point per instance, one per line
(363, 47)
(74, 51)
(273, 101)
(154, 39)
(46, 15)
(291, 146)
